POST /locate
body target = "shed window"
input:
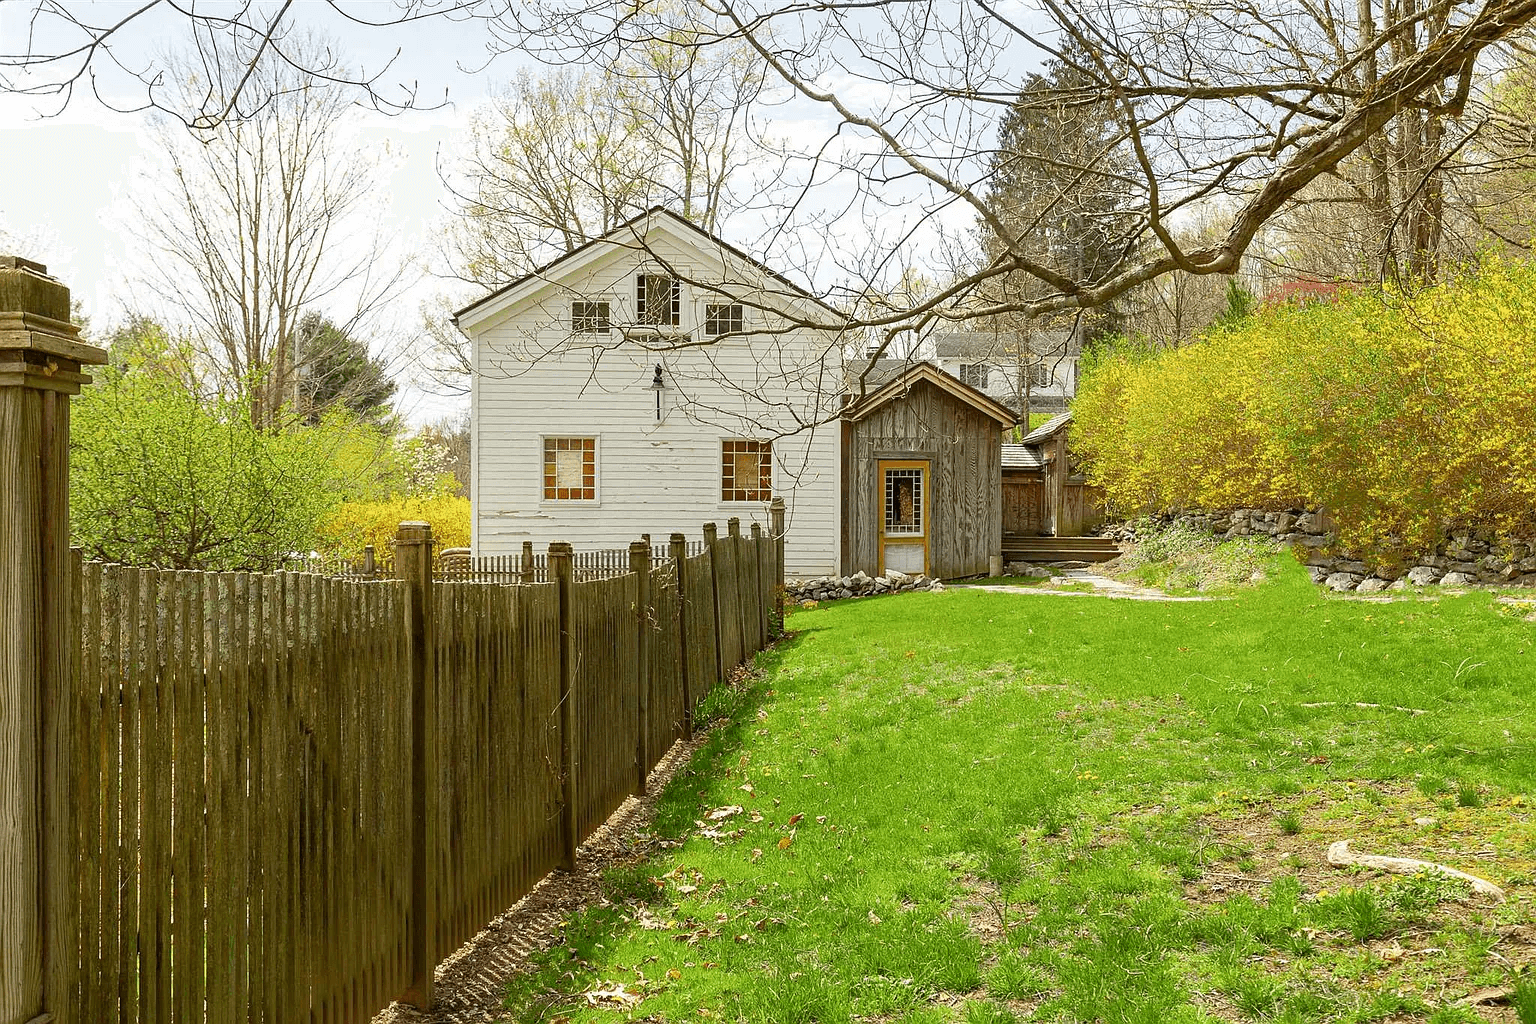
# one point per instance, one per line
(570, 468)
(658, 300)
(589, 317)
(974, 374)
(746, 470)
(722, 318)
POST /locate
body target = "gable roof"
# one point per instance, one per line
(633, 233)
(903, 382)
(1047, 430)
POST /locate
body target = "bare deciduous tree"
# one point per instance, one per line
(1229, 109)
(256, 221)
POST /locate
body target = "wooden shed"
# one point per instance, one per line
(922, 477)
(1044, 494)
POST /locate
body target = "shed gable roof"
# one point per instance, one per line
(902, 383)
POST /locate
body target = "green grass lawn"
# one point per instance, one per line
(976, 806)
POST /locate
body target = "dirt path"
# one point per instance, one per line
(470, 982)
(1102, 586)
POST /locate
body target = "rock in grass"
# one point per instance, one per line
(1342, 581)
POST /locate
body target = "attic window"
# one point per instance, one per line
(589, 317)
(722, 318)
(974, 375)
(658, 300)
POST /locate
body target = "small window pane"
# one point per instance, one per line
(589, 317)
(722, 318)
(904, 501)
(746, 470)
(570, 468)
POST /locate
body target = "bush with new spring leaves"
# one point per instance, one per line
(1401, 414)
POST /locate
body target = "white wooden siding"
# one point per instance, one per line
(535, 379)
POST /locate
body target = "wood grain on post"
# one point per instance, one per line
(759, 604)
(560, 573)
(776, 510)
(413, 563)
(41, 359)
(712, 545)
(679, 551)
(640, 566)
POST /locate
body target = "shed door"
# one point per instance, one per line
(904, 526)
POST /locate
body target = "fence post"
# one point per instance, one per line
(733, 532)
(679, 552)
(370, 565)
(640, 565)
(711, 538)
(41, 359)
(760, 627)
(776, 510)
(560, 573)
(525, 570)
(413, 564)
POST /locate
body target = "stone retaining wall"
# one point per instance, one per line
(1463, 558)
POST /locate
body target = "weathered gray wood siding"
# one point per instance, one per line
(965, 503)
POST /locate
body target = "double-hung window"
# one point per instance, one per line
(570, 468)
(746, 470)
(658, 300)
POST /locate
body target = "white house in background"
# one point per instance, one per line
(1008, 367)
(651, 381)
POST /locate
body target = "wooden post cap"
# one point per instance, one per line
(25, 287)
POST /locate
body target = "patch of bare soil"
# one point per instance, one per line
(471, 981)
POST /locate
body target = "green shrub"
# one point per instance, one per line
(1399, 414)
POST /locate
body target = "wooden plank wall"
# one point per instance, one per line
(1023, 504)
(242, 771)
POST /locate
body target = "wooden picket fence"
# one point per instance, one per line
(294, 794)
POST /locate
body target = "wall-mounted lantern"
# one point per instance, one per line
(658, 386)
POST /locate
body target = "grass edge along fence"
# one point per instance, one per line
(295, 794)
(204, 818)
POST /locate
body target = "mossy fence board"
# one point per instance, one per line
(242, 765)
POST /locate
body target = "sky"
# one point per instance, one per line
(66, 177)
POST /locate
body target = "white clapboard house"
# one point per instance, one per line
(650, 381)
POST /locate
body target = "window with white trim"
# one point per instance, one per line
(974, 375)
(746, 470)
(658, 300)
(722, 318)
(590, 317)
(1039, 375)
(570, 468)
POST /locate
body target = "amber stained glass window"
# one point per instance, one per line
(746, 470)
(570, 468)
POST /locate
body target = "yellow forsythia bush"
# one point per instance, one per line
(1402, 415)
(357, 523)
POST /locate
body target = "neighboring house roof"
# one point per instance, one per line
(1047, 430)
(903, 382)
(873, 376)
(985, 345)
(1022, 456)
(632, 232)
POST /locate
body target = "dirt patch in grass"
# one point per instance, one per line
(1324, 933)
